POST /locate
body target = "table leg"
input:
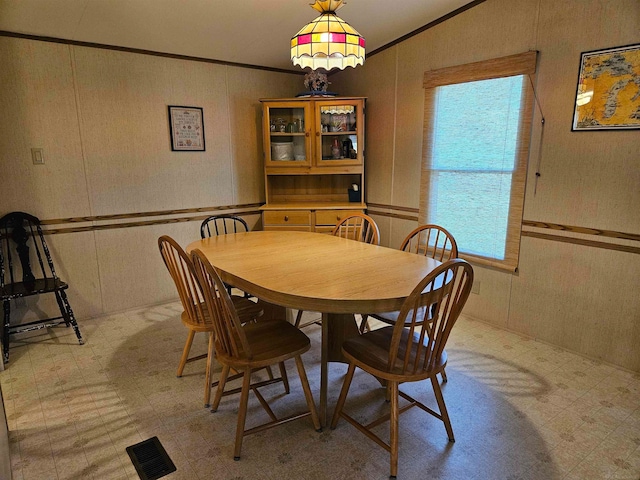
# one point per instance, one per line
(336, 328)
(324, 370)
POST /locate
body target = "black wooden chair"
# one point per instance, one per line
(221, 225)
(21, 242)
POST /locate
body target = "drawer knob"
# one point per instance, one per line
(286, 218)
(338, 218)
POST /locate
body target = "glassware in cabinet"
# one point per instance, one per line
(287, 141)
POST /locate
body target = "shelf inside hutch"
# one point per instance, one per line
(310, 188)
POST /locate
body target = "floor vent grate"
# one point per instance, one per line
(150, 459)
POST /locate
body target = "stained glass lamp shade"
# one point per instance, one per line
(328, 41)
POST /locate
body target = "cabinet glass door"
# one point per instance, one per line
(287, 138)
(339, 129)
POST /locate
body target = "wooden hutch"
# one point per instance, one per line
(313, 157)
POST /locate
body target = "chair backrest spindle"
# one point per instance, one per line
(37, 249)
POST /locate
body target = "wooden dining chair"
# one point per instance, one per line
(195, 315)
(429, 240)
(359, 227)
(248, 347)
(408, 351)
(26, 269)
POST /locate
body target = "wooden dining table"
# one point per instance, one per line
(318, 273)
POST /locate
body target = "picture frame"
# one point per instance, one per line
(608, 90)
(186, 127)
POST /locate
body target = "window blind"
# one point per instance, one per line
(477, 129)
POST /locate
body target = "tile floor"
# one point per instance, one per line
(520, 409)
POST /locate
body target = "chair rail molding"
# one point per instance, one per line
(538, 229)
(108, 222)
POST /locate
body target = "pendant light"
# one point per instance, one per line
(328, 41)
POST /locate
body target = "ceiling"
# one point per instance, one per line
(250, 32)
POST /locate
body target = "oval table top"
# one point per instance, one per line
(316, 272)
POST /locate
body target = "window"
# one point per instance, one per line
(477, 127)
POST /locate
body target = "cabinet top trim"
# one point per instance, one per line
(306, 99)
(314, 206)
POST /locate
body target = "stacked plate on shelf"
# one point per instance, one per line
(282, 151)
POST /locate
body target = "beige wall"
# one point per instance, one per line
(579, 297)
(101, 118)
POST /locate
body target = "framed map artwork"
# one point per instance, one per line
(608, 93)
(187, 129)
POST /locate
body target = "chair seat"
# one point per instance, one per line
(370, 352)
(270, 342)
(25, 289)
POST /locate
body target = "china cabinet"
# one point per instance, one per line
(313, 161)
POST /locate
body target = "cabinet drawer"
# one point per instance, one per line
(287, 217)
(332, 217)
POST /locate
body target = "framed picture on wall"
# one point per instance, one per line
(608, 92)
(186, 125)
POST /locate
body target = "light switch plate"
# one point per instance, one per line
(37, 155)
